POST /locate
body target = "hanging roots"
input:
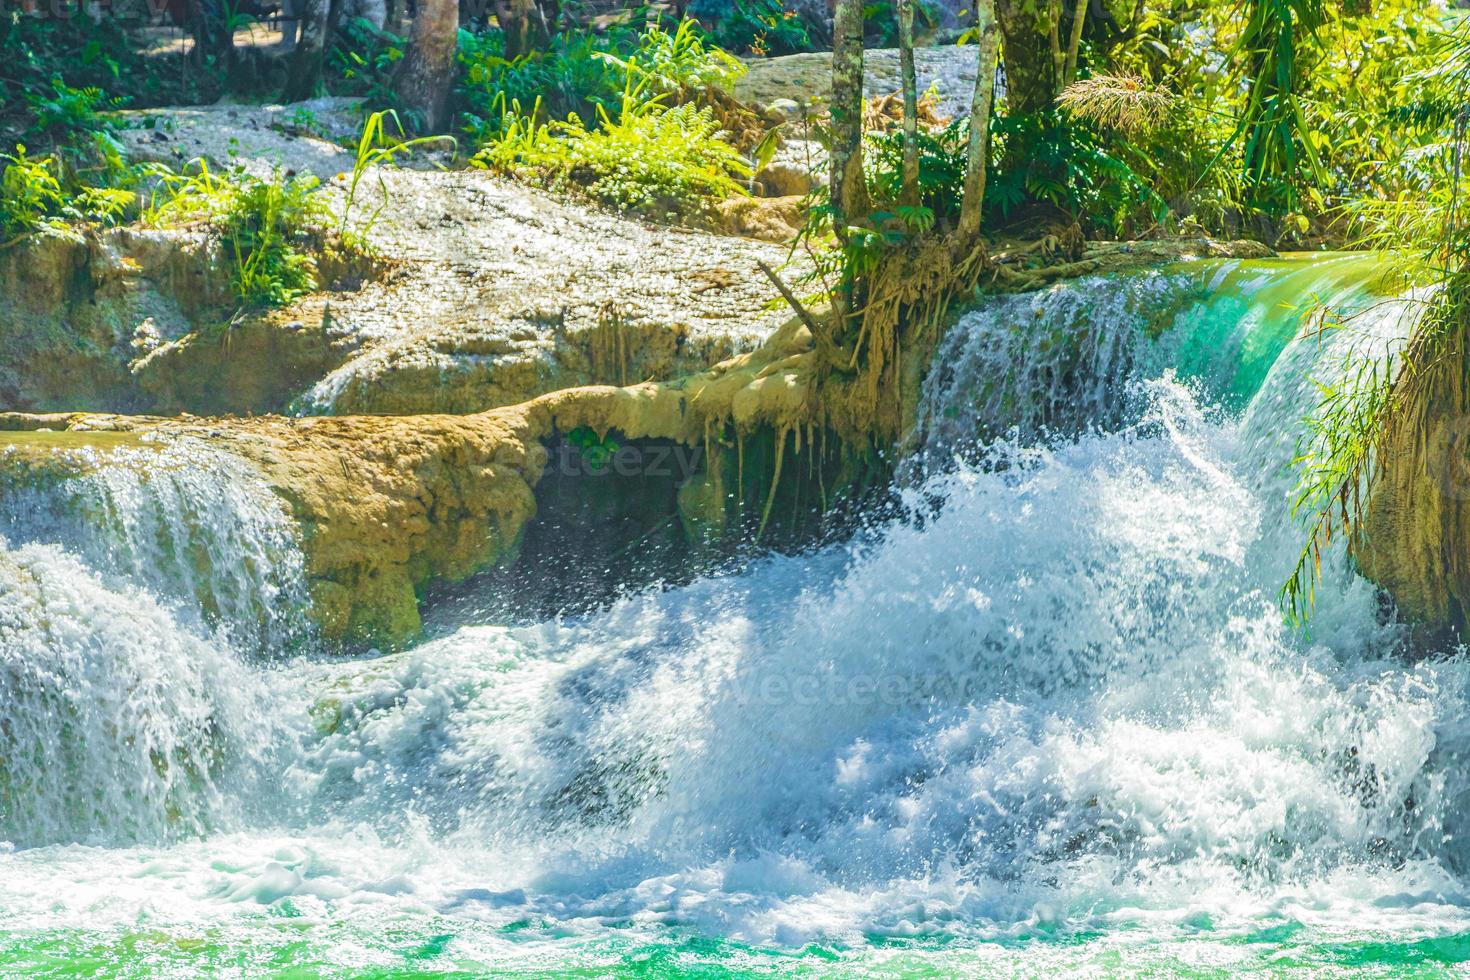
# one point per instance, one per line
(905, 303)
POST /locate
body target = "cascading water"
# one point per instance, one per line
(182, 520)
(1057, 724)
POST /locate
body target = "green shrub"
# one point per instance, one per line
(759, 27)
(569, 78)
(1070, 167)
(39, 50)
(652, 160)
(34, 194)
(30, 194)
(263, 224)
(942, 165)
(364, 61)
(679, 61)
(640, 155)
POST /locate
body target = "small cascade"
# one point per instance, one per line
(1062, 359)
(185, 522)
(119, 726)
(1054, 360)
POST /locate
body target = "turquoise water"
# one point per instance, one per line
(1055, 727)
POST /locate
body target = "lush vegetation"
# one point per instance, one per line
(1387, 388)
(658, 152)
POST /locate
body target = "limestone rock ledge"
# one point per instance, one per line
(388, 505)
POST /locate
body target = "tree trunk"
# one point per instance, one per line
(304, 74)
(428, 66)
(527, 26)
(1031, 73)
(978, 157)
(910, 195)
(213, 38)
(849, 192)
(1074, 45)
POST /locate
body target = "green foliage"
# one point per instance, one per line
(35, 194)
(377, 147)
(1335, 457)
(760, 27)
(651, 159)
(30, 194)
(596, 451)
(942, 166)
(65, 112)
(585, 75)
(880, 22)
(263, 225)
(1071, 167)
(363, 62)
(678, 61)
(1279, 142)
(1345, 434)
(641, 155)
(38, 50)
(569, 78)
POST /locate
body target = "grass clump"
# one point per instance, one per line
(265, 227)
(659, 151)
(652, 160)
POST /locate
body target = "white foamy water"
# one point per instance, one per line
(189, 523)
(1052, 723)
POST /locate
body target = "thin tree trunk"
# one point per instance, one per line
(304, 74)
(1074, 45)
(428, 65)
(974, 199)
(214, 40)
(1057, 11)
(849, 192)
(910, 195)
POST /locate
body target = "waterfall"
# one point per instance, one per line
(119, 725)
(1054, 720)
(1061, 359)
(187, 522)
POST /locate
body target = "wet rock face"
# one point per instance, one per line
(75, 313)
(386, 507)
(132, 320)
(504, 293)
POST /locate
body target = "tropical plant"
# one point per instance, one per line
(30, 193)
(568, 78)
(1383, 386)
(376, 148)
(364, 61)
(650, 159)
(263, 225)
(941, 173)
(678, 61)
(760, 27)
